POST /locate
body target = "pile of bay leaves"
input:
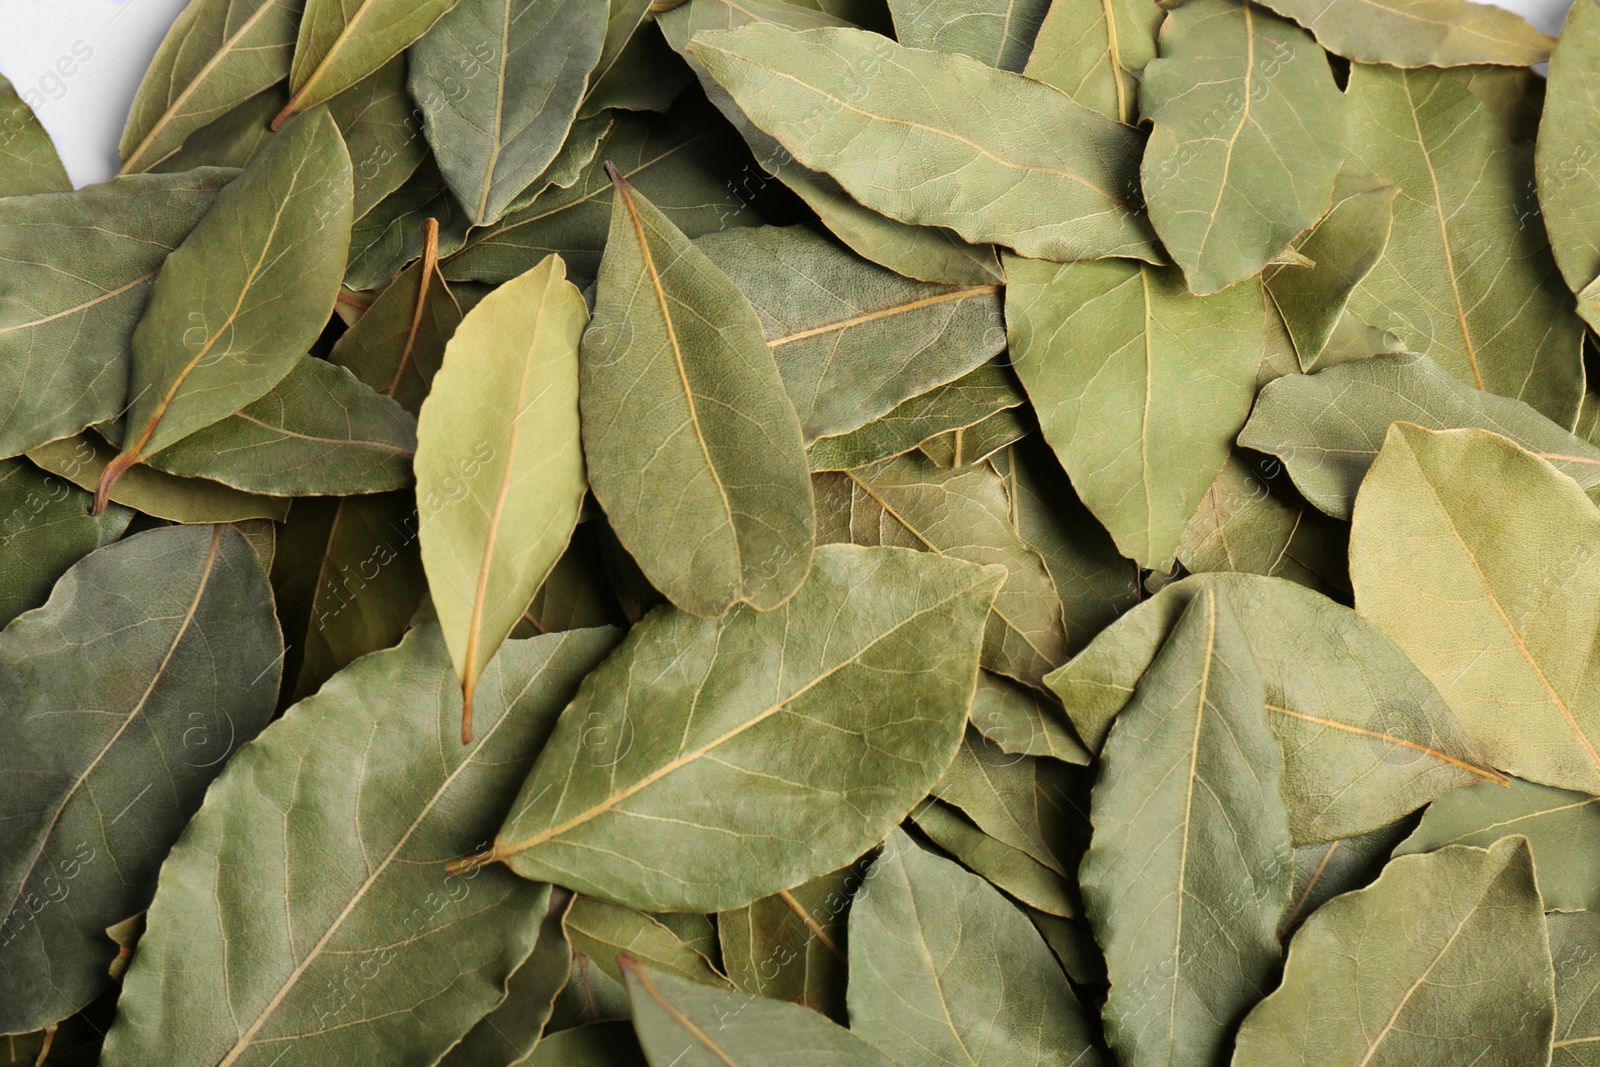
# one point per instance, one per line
(831, 532)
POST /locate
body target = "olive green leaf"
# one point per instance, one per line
(44, 529)
(1467, 277)
(1419, 33)
(647, 76)
(1442, 961)
(680, 165)
(992, 155)
(152, 661)
(240, 301)
(1574, 950)
(1139, 387)
(624, 26)
(1008, 869)
(78, 271)
(968, 400)
(1562, 828)
(394, 232)
(232, 139)
(853, 339)
(382, 132)
(1473, 556)
(1246, 141)
(945, 970)
(965, 515)
(999, 34)
(28, 160)
(1365, 737)
(1327, 427)
(390, 959)
(343, 41)
(883, 640)
(608, 1044)
(1095, 52)
(1324, 870)
(1567, 162)
(320, 431)
(791, 945)
(498, 448)
(692, 1025)
(694, 449)
(217, 55)
(496, 135)
(509, 1033)
(1023, 722)
(603, 931)
(964, 446)
(1343, 246)
(82, 460)
(1009, 798)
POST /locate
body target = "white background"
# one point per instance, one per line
(85, 111)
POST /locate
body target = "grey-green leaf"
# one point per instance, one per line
(44, 529)
(1568, 178)
(382, 131)
(1419, 33)
(1575, 950)
(509, 1034)
(28, 160)
(1095, 52)
(999, 34)
(341, 42)
(1008, 869)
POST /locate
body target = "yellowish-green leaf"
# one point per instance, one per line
(1419, 33)
(342, 41)
(1568, 159)
(1095, 52)
(998, 33)
(28, 160)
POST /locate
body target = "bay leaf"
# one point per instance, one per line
(1325, 870)
(232, 139)
(1008, 869)
(1562, 828)
(1188, 872)
(683, 1022)
(722, 691)
(576, 593)
(694, 449)
(382, 131)
(928, 929)
(44, 529)
(217, 55)
(78, 271)
(647, 76)
(1246, 139)
(1023, 722)
(28, 160)
(1472, 555)
(1574, 951)
(498, 134)
(368, 768)
(1467, 277)
(340, 42)
(124, 695)
(968, 445)
(514, 357)
(852, 339)
(1094, 342)
(604, 932)
(1007, 797)
(1442, 960)
(1095, 53)
(992, 155)
(1514, 95)
(82, 460)
(243, 297)
(1327, 427)
(999, 34)
(1568, 185)
(394, 232)
(597, 1045)
(1419, 33)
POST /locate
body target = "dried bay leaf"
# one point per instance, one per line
(28, 160)
(604, 931)
(394, 232)
(340, 42)
(1444, 958)
(382, 131)
(607, 1044)
(1473, 555)
(1565, 162)
(967, 445)
(992, 155)
(945, 970)
(1574, 949)
(999, 34)
(1246, 141)
(152, 661)
(1325, 870)
(896, 660)
(44, 529)
(1023, 721)
(1009, 798)
(1419, 33)
(232, 139)
(1095, 52)
(370, 771)
(694, 449)
(82, 460)
(1008, 869)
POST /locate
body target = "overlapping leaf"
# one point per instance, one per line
(1419, 33)
(340, 42)
(28, 160)
(1568, 165)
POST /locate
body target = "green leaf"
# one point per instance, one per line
(1472, 555)
(232, 139)
(1444, 958)
(217, 55)
(382, 131)
(496, 135)
(1327, 427)
(78, 271)
(599, 1045)
(944, 970)
(1365, 737)
(604, 931)
(1023, 722)
(362, 792)
(510, 1032)
(343, 41)
(691, 1025)
(499, 502)
(1419, 33)
(647, 76)
(1008, 869)
(153, 659)
(319, 431)
(1246, 141)
(1009, 798)
(1574, 950)
(44, 529)
(883, 640)
(1568, 180)
(240, 301)
(28, 160)
(999, 34)
(1139, 387)
(1562, 828)
(964, 515)
(694, 450)
(992, 155)
(395, 231)
(852, 339)
(82, 460)
(1095, 52)
(1467, 277)
(1188, 872)
(968, 445)
(1329, 868)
